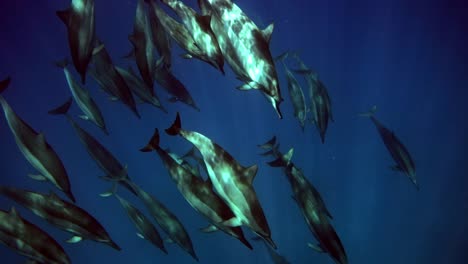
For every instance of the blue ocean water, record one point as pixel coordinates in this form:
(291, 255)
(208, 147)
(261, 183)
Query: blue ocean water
(407, 57)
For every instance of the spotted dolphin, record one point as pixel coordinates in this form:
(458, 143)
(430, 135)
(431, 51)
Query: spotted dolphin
(29, 240)
(146, 229)
(245, 48)
(140, 89)
(200, 29)
(109, 79)
(143, 48)
(198, 193)
(166, 79)
(296, 94)
(36, 149)
(83, 99)
(62, 214)
(232, 182)
(398, 151)
(313, 209)
(79, 19)
(103, 157)
(160, 37)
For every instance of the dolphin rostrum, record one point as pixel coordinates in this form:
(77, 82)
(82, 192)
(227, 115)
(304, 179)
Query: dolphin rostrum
(35, 148)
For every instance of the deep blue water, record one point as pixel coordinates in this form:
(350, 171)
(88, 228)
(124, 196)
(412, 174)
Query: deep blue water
(407, 58)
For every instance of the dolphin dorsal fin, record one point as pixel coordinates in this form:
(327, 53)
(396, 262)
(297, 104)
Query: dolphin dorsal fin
(41, 140)
(268, 31)
(64, 15)
(205, 21)
(250, 173)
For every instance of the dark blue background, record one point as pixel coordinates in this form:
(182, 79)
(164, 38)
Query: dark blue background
(409, 59)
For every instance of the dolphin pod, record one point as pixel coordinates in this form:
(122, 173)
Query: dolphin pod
(219, 33)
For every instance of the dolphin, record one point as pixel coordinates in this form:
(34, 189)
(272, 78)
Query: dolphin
(146, 230)
(105, 74)
(245, 48)
(197, 158)
(83, 99)
(62, 214)
(398, 151)
(296, 94)
(29, 240)
(198, 193)
(139, 88)
(142, 41)
(319, 98)
(103, 157)
(200, 29)
(160, 37)
(36, 149)
(79, 20)
(168, 222)
(232, 182)
(275, 257)
(173, 86)
(313, 209)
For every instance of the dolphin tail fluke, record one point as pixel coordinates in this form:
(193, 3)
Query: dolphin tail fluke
(153, 143)
(369, 113)
(62, 109)
(269, 144)
(4, 84)
(282, 161)
(176, 126)
(62, 64)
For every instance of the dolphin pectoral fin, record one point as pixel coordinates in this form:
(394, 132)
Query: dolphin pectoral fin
(233, 222)
(250, 173)
(317, 248)
(110, 192)
(37, 177)
(247, 86)
(267, 32)
(169, 240)
(209, 229)
(186, 56)
(130, 55)
(97, 49)
(140, 236)
(74, 239)
(84, 117)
